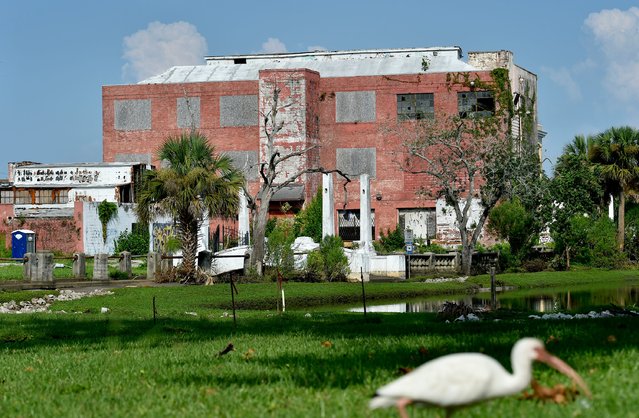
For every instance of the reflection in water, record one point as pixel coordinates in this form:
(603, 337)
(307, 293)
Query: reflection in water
(545, 301)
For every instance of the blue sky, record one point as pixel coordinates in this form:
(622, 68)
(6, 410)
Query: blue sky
(55, 56)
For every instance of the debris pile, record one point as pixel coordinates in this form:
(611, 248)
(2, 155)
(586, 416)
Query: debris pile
(43, 304)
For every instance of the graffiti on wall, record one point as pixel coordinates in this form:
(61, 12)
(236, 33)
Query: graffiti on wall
(82, 176)
(162, 233)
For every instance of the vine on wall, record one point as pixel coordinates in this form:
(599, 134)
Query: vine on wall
(106, 212)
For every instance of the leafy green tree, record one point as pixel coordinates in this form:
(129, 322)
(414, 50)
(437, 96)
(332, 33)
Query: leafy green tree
(511, 221)
(575, 190)
(470, 156)
(196, 183)
(615, 153)
(308, 222)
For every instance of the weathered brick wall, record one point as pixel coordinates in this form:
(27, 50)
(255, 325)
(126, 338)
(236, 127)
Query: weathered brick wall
(53, 234)
(318, 102)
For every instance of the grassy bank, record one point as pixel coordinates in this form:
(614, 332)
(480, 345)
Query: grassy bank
(326, 364)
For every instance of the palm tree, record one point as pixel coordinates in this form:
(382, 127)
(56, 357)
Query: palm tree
(197, 183)
(579, 147)
(615, 154)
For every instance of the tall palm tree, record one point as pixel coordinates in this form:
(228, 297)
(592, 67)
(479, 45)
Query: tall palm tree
(197, 183)
(579, 147)
(615, 153)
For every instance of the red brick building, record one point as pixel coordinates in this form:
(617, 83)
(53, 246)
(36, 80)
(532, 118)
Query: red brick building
(340, 101)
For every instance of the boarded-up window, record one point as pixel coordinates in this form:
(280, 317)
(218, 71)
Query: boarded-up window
(238, 110)
(356, 161)
(415, 106)
(475, 104)
(246, 162)
(355, 106)
(132, 115)
(188, 112)
(422, 221)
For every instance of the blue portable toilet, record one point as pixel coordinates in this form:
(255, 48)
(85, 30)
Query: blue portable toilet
(22, 241)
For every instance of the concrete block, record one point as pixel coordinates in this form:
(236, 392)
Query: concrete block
(246, 162)
(238, 110)
(125, 263)
(355, 106)
(101, 267)
(79, 265)
(188, 112)
(357, 161)
(132, 115)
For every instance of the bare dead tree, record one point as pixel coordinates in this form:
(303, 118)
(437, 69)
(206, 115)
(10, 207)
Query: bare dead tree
(272, 176)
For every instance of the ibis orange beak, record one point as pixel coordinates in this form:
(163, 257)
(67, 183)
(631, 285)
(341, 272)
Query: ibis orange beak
(559, 365)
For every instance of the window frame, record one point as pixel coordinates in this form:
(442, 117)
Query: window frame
(476, 104)
(419, 112)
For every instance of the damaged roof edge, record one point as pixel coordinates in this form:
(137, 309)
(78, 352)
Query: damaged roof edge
(332, 53)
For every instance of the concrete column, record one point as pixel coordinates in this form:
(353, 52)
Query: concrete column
(365, 221)
(101, 267)
(328, 206)
(366, 250)
(244, 226)
(153, 262)
(44, 267)
(125, 263)
(30, 266)
(79, 266)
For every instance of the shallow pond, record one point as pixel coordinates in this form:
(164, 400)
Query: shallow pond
(538, 300)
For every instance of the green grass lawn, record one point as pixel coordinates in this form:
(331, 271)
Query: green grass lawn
(328, 364)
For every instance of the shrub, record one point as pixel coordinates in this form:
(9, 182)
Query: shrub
(392, 241)
(135, 242)
(534, 265)
(278, 247)
(432, 248)
(329, 262)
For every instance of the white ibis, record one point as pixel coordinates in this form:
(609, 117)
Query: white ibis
(462, 379)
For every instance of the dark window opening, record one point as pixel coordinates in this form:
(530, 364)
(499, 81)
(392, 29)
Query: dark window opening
(348, 224)
(415, 106)
(239, 61)
(126, 195)
(475, 104)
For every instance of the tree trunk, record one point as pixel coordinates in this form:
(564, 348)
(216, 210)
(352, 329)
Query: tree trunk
(259, 231)
(466, 256)
(189, 232)
(621, 221)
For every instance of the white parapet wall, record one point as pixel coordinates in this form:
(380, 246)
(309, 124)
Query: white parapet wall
(391, 265)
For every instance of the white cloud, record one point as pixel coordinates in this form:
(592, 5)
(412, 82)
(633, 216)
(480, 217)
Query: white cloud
(160, 46)
(617, 33)
(273, 46)
(564, 78)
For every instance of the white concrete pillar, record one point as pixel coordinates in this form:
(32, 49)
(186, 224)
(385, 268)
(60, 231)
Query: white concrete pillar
(244, 225)
(328, 206)
(365, 221)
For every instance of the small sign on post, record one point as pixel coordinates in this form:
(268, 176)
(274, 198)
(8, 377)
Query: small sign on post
(408, 241)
